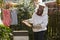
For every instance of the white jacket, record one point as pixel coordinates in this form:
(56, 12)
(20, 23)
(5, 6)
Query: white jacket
(43, 20)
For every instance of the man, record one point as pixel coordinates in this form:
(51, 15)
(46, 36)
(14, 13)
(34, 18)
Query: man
(39, 20)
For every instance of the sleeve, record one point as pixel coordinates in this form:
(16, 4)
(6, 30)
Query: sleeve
(45, 12)
(45, 18)
(36, 9)
(45, 22)
(30, 20)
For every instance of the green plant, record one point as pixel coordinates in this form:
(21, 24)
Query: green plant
(54, 24)
(1, 1)
(24, 12)
(4, 32)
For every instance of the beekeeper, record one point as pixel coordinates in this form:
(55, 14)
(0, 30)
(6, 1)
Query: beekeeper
(39, 20)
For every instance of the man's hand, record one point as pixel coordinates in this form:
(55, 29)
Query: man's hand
(27, 23)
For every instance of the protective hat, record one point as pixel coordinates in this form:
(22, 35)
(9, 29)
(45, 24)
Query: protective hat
(42, 4)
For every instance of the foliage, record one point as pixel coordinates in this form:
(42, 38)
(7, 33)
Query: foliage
(58, 1)
(54, 25)
(25, 11)
(4, 32)
(1, 1)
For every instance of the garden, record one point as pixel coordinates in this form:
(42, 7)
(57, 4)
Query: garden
(25, 11)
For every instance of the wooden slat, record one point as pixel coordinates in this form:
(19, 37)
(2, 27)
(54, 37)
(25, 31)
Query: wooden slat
(20, 33)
